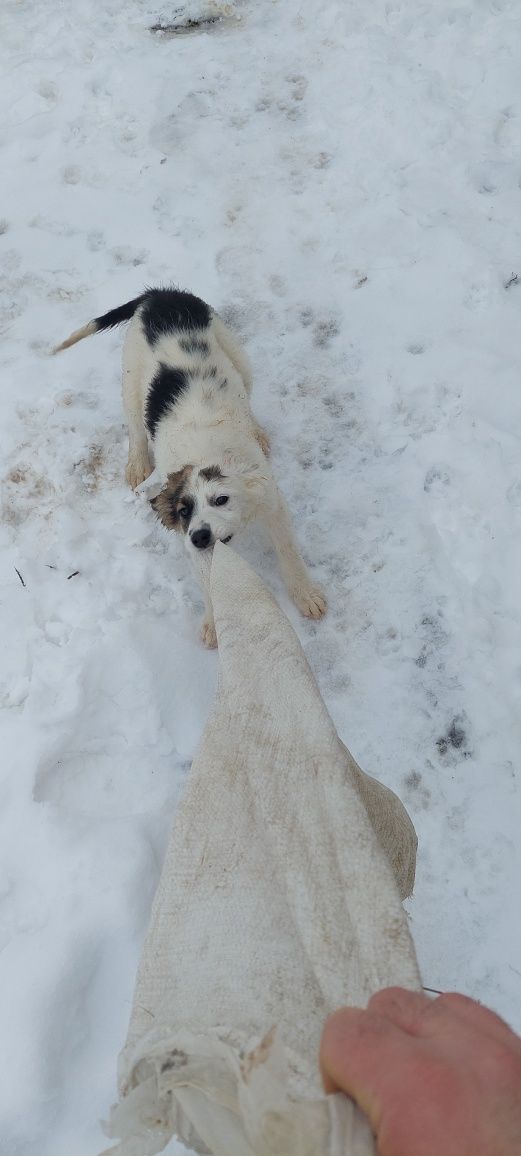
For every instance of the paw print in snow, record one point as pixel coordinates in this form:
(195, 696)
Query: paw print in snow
(324, 331)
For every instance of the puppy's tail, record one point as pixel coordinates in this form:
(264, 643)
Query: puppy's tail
(107, 321)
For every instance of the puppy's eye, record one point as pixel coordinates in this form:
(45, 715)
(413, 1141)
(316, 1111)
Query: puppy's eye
(221, 500)
(184, 512)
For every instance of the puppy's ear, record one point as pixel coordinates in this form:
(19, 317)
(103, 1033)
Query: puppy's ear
(166, 504)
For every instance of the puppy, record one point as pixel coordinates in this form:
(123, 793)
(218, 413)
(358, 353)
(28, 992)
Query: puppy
(186, 394)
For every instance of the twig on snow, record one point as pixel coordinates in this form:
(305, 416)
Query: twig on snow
(185, 26)
(20, 577)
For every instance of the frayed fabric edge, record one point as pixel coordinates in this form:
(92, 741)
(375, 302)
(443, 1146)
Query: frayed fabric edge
(228, 1101)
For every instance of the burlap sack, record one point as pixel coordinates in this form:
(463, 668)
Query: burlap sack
(277, 903)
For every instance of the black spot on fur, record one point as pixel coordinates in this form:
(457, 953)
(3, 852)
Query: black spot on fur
(223, 383)
(165, 389)
(211, 473)
(194, 345)
(170, 310)
(211, 371)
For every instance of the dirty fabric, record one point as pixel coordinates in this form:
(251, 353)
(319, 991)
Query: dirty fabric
(279, 901)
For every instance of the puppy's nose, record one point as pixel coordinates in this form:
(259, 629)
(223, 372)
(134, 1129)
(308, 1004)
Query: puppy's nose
(201, 538)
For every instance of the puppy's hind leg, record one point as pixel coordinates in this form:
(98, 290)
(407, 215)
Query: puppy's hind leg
(138, 466)
(308, 598)
(239, 359)
(230, 346)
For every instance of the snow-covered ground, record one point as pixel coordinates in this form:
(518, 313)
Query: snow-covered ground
(342, 180)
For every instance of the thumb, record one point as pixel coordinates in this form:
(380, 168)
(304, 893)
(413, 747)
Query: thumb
(359, 1055)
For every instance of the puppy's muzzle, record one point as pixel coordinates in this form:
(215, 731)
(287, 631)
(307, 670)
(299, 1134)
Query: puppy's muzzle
(201, 538)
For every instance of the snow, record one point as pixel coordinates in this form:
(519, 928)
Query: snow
(342, 181)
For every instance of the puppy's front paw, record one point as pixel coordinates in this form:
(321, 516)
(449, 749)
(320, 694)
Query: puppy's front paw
(208, 635)
(311, 603)
(137, 471)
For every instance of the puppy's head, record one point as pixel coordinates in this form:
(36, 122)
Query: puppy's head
(212, 503)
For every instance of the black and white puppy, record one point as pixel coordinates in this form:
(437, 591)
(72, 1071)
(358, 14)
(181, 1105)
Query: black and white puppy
(186, 393)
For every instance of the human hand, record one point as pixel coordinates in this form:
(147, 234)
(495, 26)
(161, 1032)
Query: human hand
(435, 1077)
